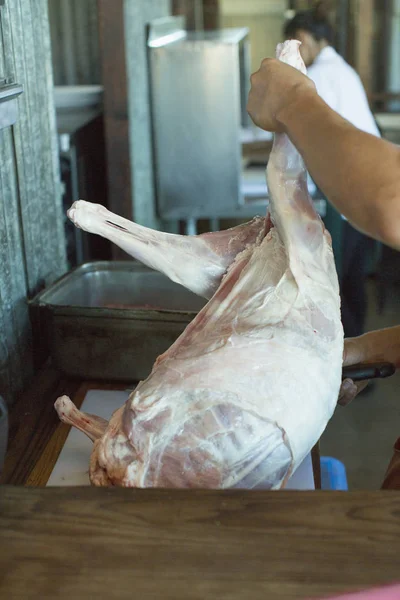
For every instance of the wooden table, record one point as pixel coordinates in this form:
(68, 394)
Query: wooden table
(153, 544)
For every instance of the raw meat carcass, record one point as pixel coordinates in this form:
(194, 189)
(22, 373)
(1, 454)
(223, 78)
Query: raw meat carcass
(245, 392)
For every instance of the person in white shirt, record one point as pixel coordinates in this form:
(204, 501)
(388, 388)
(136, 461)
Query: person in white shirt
(341, 88)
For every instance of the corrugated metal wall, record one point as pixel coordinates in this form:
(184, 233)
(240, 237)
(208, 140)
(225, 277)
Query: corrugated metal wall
(75, 41)
(32, 245)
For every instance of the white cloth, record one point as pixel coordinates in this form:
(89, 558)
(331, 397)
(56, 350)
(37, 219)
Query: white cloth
(341, 88)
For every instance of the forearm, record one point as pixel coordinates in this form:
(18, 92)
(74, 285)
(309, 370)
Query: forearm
(359, 173)
(382, 345)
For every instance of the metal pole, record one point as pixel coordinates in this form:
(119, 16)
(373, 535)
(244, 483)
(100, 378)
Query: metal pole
(191, 226)
(214, 224)
(79, 242)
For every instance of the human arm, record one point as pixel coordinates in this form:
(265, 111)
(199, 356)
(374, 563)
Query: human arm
(359, 173)
(382, 345)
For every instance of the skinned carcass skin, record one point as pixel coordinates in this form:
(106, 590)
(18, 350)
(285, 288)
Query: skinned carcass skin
(245, 392)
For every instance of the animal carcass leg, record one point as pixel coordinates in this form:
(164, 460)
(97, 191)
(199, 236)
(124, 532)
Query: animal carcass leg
(93, 426)
(196, 262)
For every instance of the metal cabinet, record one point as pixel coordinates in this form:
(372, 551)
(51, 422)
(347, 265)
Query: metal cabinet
(199, 88)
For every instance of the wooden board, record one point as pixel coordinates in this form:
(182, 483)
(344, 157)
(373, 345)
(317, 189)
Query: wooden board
(122, 27)
(152, 544)
(32, 423)
(36, 435)
(114, 78)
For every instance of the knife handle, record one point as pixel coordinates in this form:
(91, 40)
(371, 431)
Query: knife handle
(368, 371)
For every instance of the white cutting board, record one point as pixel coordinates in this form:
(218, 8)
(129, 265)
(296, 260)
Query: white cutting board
(72, 465)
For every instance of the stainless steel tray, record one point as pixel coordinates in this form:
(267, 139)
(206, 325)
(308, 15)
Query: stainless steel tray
(110, 320)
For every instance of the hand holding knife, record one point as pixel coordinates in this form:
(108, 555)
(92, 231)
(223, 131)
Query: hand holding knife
(365, 371)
